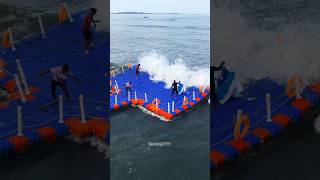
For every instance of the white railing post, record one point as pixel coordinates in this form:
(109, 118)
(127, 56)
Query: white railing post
(145, 97)
(168, 107)
(43, 33)
(61, 109)
(298, 88)
(157, 105)
(116, 99)
(20, 121)
(128, 95)
(23, 78)
(172, 106)
(68, 12)
(135, 95)
(268, 101)
(83, 117)
(23, 98)
(13, 47)
(122, 69)
(193, 95)
(239, 114)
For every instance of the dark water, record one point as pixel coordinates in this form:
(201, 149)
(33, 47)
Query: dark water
(294, 156)
(62, 161)
(187, 158)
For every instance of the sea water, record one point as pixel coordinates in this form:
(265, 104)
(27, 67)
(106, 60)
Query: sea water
(169, 47)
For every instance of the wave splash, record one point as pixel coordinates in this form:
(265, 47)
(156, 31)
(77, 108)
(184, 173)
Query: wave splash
(161, 69)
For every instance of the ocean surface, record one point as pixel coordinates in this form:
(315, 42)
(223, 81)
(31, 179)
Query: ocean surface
(170, 46)
(66, 159)
(272, 39)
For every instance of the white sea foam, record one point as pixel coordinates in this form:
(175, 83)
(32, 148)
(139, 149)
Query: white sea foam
(161, 69)
(255, 54)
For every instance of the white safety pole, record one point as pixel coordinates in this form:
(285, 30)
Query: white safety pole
(68, 12)
(239, 114)
(168, 107)
(122, 69)
(135, 95)
(298, 88)
(61, 109)
(172, 106)
(157, 105)
(145, 97)
(13, 47)
(23, 98)
(20, 122)
(268, 101)
(193, 95)
(43, 33)
(116, 99)
(128, 95)
(83, 117)
(23, 78)
(184, 98)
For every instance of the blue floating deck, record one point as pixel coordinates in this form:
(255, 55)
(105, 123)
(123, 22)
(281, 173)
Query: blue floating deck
(285, 110)
(144, 86)
(63, 45)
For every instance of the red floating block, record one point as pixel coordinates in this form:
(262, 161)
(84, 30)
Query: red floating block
(10, 86)
(191, 103)
(116, 107)
(99, 127)
(185, 108)
(165, 114)
(134, 102)
(20, 143)
(141, 101)
(301, 104)
(125, 103)
(281, 119)
(48, 134)
(204, 94)
(77, 128)
(217, 157)
(14, 95)
(240, 144)
(262, 133)
(177, 111)
(197, 99)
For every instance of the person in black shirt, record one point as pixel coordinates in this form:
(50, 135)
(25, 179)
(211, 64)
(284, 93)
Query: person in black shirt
(216, 69)
(174, 87)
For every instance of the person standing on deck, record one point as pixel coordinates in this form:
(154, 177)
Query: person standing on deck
(174, 87)
(86, 29)
(58, 77)
(128, 87)
(138, 70)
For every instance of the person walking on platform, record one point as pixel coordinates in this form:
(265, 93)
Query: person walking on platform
(128, 87)
(174, 87)
(138, 70)
(86, 29)
(58, 77)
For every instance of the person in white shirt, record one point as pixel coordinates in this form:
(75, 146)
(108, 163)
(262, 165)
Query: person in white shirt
(58, 77)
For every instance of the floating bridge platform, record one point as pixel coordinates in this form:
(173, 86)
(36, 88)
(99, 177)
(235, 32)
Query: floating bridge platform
(42, 120)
